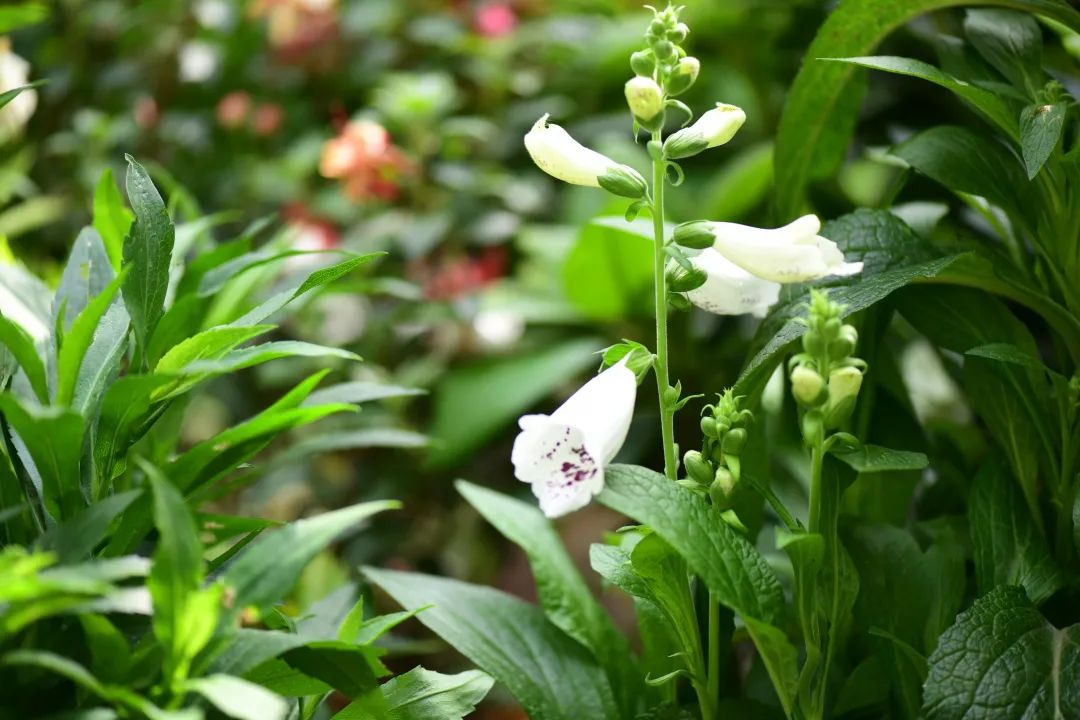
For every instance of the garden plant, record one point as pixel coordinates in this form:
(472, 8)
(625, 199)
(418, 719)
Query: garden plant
(825, 463)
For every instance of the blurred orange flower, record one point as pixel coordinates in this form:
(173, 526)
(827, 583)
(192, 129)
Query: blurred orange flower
(233, 109)
(365, 161)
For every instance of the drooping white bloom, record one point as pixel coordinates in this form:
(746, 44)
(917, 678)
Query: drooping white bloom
(14, 72)
(563, 157)
(563, 455)
(714, 127)
(730, 290)
(793, 253)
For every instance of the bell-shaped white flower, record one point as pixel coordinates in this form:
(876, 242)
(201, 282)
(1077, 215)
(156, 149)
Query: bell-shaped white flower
(563, 157)
(715, 127)
(730, 290)
(14, 72)
(563, 455)
(793, 253)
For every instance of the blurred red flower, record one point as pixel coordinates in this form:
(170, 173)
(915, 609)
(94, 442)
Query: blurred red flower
(365, 161)
(494, 19)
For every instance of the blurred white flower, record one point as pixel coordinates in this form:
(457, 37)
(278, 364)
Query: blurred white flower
(198, 61)
(498, 329)
(564, 158)
(790, 254)
(563, 455)
(14, 72)
(730, 290)
(214, 14)
(934, 394)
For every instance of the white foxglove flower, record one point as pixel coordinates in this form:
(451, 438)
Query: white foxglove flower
(715, 127)
(730, 290)
(793, 253)
(563, 455)
(563, 157)
(14, 72)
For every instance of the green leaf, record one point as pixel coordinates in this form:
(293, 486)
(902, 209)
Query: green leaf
(1008, 353)
(1040, 131)
(873, 458)
(112, 219)
(54, 438)
(248, 648)
(819, 115)
(729, 565)
(212, 344)
(101, 363)
(26, 301)
(608, 273)
(74, 539)
(20, 15)
(1007, 548)
(509, 386)
(239, 698)
(360, 391)
(1003, 660)
(986, 102)
(21, 346)
(781, 660)
(78, 339)
(510, 640)
(110, 655)
(425, 695)
(263, 353)
(125, 403)
(217, 277)
(563, 594)
(148, 252)
(87, 274)
(1011, 42)
(184, 618)
(270, 566)
(348, 668)
(967, 161)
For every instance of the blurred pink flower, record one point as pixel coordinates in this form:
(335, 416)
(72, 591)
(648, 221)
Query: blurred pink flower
(494, 19)
(233, 109)
(146, 112)
(267, 119)
(366, 162)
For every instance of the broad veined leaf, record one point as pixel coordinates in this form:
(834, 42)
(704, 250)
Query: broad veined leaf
(54, 439)
(1040, 131)
(148, 252)
(248, 648)
(101, 363)
(1010, 41)
(729, 565)
(822, 103)
(112, 219)
(268, 568)
(86, 275)
(351, 669)
(239, 698)
(425, 695)
(781, 660)
(1007, 547)
(986, 102)
(510, 640)
(78, 339)
(564, 596)
(874, 458)
(22, 348)
(1003, 660)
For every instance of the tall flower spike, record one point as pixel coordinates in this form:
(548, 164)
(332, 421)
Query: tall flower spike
(563, 455)
(564, 158)
(793, 253)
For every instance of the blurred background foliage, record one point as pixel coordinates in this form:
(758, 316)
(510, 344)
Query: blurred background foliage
(396, 125)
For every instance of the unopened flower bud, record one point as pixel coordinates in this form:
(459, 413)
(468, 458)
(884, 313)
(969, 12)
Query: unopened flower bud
(681, 279)
(844, 386)
(812, 342)
(708, 427)
(697, 467)
(722, 488)
(697, 234)
(678, 33)
(733, 442)
(686, 72)
(808, 387)
(642, 63)
(844, 345)
(657, 27)
(715, 127)
(664, 50)
(644, 97)
(831, 328)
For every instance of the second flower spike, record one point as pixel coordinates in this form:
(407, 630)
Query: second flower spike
(563, 455)
(563, 157)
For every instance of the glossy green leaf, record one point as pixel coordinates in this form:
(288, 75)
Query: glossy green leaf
(1003, 660)
(822, 103)
(54, 438)
(86, 275)
(425, 695)
(263, 353)
(78, 339)
(1010, 41)
(22, 14)
(75, 539)
(112, 219)
(22, 348)
(268, 568)
(874, 458)
(510, 640)
(239, 698)
(781, 660)
(101, 363)
(148, 252)
(608, 272)
(1040, 130)
(729, 565)
(360, 391)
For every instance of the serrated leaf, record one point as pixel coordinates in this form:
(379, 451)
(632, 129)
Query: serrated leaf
(268, 568)
(1003, 660)
(510, 640)
(729, 565)
(1040, 130)
(148, 251)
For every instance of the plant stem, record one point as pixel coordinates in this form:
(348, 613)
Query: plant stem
(660, 285)
(817, 456)
(714, 648)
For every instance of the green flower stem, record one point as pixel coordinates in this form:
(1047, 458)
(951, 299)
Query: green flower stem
(714, 648)
(817, 457)
(667, 412)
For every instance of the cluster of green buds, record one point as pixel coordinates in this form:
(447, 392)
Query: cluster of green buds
(825, 377)
(661, 71)
(716, 467)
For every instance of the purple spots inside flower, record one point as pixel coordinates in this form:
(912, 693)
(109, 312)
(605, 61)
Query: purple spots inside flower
(571, 473)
